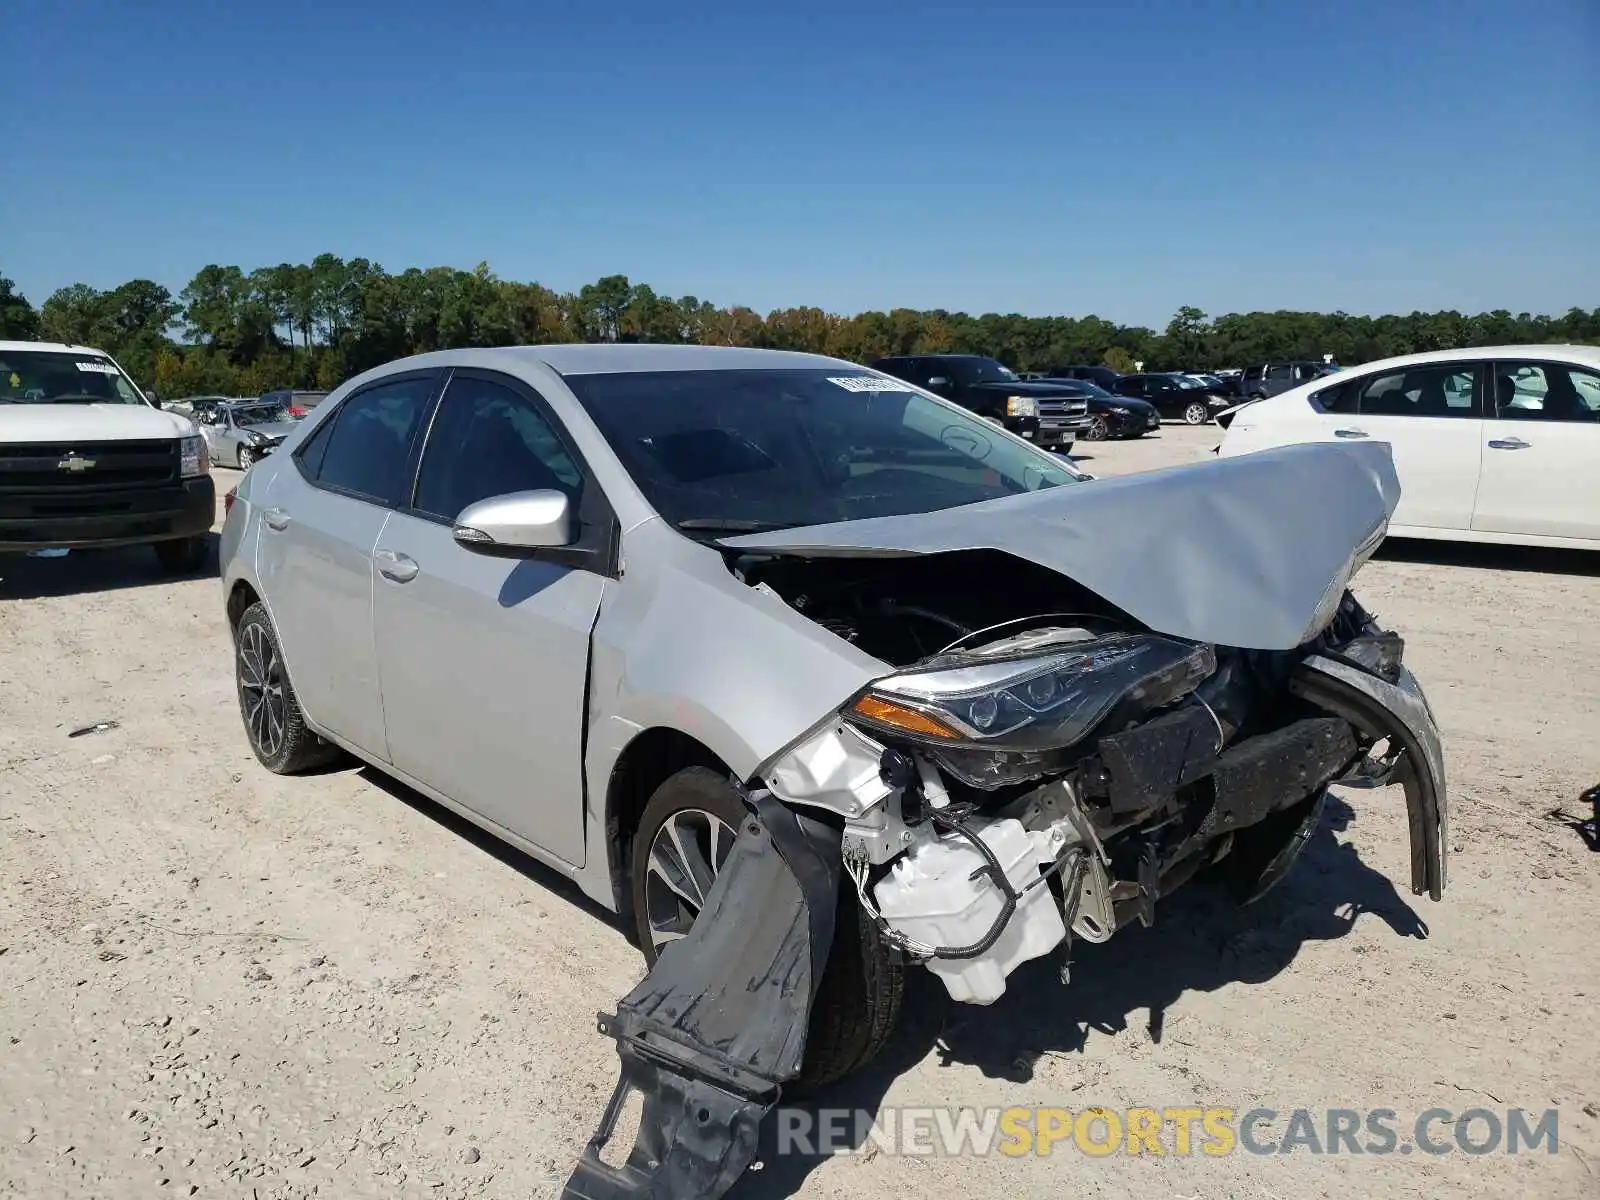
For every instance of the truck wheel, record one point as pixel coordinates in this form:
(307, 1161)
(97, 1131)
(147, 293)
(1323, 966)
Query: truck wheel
(684, 836)
(273, 722)
(184, 555)
(1195, 413)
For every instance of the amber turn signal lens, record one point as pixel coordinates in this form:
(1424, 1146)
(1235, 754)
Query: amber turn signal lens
(886, 712)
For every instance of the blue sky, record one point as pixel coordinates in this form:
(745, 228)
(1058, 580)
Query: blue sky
(1121, 157)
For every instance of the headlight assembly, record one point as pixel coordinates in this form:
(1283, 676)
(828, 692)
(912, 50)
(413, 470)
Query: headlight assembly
(1021, 406)
(1034, 703)
(193, 457)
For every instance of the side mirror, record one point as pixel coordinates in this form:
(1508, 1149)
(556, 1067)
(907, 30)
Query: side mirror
(520, 521)
(937, 382)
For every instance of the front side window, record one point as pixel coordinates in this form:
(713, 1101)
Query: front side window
(1449, 390)
(365, 446)
(730, 451)
(489, 441)
(56, 377)
(1546, 392)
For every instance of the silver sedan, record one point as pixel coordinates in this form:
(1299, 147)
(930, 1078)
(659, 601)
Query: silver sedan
(240, 433)
(810, 675)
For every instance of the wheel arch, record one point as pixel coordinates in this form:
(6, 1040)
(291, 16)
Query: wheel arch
(649, 759)
(240, 597)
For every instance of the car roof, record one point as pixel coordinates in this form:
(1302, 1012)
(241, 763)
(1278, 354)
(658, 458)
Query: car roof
(1585, 355)
(51, 347)
(606, 359)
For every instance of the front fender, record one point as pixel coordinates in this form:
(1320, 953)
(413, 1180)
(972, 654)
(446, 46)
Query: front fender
(682, 644)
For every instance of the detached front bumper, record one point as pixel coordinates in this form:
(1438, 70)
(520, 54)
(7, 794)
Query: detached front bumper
(108, 517)
(1399, 712)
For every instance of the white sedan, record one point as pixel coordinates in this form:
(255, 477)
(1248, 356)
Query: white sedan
(1492, 443)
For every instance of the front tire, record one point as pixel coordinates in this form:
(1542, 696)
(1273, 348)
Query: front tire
(247, 458)
(184, 555)
(273, 722)
(1098, 430)
(684, 837)
(1195, 413)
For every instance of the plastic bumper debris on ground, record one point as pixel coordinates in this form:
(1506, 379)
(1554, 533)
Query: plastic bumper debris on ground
(718, 1026)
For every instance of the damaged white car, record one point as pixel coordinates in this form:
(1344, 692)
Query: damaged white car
(814, 677)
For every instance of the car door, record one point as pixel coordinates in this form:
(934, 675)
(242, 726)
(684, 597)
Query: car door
(1540, 450)
(1431, 416)
(484, 660)
(321, 514)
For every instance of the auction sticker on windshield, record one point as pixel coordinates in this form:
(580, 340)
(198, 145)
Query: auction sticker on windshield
(868, 383)
(99, 368)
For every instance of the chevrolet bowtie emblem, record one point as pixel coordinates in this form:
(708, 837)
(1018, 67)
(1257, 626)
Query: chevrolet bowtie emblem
(75, 462)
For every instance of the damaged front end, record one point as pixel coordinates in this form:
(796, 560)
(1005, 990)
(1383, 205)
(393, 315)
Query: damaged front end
(1003, 799)
(997, 801)
(1063, 735)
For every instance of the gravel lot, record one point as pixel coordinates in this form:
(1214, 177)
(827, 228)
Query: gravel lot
(220, 983)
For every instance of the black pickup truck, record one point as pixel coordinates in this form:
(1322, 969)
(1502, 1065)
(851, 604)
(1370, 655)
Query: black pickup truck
(1046, 414)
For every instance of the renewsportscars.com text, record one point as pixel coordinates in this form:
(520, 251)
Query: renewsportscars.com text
(1215, 1131)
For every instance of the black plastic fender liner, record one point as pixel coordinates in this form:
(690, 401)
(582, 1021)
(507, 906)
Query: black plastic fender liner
(1398, 711)
(713, 1032)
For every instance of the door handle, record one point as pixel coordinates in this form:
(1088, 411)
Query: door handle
(1510, 443)
(1350, 433)
(276, 518)
(401, 568)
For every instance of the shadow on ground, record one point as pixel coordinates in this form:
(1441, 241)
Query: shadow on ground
(85, 571)
(1537, 559)
(1201, 941)
(524, 864)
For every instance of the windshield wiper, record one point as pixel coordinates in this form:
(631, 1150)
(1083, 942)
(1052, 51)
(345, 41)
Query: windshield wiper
(78, 398)
(731, 525)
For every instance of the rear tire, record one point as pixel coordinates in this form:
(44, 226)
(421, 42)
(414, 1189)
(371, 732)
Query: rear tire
(858, 998)
(183, 556)
(274, 725)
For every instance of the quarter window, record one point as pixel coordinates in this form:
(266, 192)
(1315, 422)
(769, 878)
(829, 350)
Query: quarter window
(489, 441)
(1546, 392)
(366, 446)
(1442, 391)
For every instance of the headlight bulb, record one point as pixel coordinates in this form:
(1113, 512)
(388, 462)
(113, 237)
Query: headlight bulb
(983, 712)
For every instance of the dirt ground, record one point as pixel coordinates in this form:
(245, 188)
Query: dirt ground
(215, 982)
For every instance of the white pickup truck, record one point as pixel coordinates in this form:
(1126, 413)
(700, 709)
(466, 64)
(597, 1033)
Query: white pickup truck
(87, 461)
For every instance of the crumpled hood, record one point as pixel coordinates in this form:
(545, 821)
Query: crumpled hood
(277, 430)
(88, 423)
(1236, 552)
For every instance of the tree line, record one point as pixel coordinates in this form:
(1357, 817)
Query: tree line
(311, 325)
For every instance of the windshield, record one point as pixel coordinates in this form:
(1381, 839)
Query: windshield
(737, 451)
(63, 377)
(258, 414)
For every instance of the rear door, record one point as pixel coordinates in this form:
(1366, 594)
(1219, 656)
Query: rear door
(322, 513)
(1432, 416)
(1541, 452)
(485, 660)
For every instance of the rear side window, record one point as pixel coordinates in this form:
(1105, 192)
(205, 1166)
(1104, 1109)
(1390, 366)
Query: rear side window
(1279, 371)
(1340, 398)
(1449, 390)
(365, 448)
